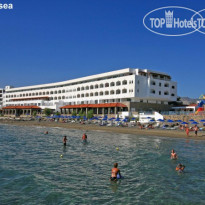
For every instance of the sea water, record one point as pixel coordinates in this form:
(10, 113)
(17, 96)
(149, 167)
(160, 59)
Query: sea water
(32, 170)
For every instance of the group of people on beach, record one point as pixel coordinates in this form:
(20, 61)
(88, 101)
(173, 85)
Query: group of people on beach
(195, 129)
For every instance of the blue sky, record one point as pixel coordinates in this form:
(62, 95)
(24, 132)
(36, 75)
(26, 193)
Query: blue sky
(51, 41)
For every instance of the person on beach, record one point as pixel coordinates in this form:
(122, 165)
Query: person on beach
(180, 167)
(115, 172)
(84, 137)
(196, 130)
(187, 131)
(64, 140)
(173, 155)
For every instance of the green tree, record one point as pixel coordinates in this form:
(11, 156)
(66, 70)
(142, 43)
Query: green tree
(34, 113)
(58, 113)
(47, 111)
(90, 114)
(74, 113)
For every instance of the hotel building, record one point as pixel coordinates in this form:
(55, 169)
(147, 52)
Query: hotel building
(127, 89)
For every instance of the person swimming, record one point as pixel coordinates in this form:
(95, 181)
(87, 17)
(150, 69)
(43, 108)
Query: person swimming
(84, 137)
(173, 155)
(115, 172)
(64, 140)
(180, 167)
(46, 133)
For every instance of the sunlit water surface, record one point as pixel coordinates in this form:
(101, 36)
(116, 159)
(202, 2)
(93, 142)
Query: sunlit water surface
(32, 171)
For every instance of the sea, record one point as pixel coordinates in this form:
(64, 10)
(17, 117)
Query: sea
(35, 168)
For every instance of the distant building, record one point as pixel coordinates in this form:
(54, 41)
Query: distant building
(1, 97)
(130, 90)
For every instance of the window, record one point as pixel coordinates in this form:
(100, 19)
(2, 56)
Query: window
(173, 87)
(106, 92)
(87, 88)
(159, 92)
(160, 84)
(101, 85)
(124, 90)
(82, 88)
(96, 86)
(101, 93)
(63, 91)
(118, 83)
(112, 84)
(172, 94)
(112, 92)
(91, 94)
(78, 89)
(152, 91)
(82, 95)
(124, 82)
(106, 85)
(153, 83)
(118, 91)
(87, 95)
(96, 93)
(166, 85)
(166, 93)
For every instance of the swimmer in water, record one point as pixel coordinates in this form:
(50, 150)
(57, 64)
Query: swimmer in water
(64, 140)
(115, 172)
(46, 132)
(84, 137)
(173, 155)
(180, 167)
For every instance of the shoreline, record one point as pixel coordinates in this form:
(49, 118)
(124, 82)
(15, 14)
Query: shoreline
(121, 130)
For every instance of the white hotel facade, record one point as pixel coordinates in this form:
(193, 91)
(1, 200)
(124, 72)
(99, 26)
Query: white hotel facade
(138, 89)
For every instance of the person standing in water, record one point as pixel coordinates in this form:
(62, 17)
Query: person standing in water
(196, 129)
(173, 155)
(115, 172)
(84, 137)
(64, 140)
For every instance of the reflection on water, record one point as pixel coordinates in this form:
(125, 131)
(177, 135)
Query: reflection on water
(37, 169)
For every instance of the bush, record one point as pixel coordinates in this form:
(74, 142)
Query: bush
(90, 114)
(74, 113)
(47, 111)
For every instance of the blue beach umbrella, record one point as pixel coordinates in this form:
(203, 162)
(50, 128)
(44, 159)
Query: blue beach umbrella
(117, 120)
(125, 120)
(152, 120)
(148, 117)
(202, 120)
(184, 123)
(191, 120)
(170, 121)
(134, 118)
(194, 123)
(179, 121)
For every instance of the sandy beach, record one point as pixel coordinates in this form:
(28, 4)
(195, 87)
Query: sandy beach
(124, 130)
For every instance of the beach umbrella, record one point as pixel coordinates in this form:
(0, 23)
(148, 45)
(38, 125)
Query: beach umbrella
(191, 120)
(117, 120)
(202, 120)
(134, 118)
(125, 120)
(179, 121)
(148, 117)
(184, 123)
(194, 123)
(170, 121)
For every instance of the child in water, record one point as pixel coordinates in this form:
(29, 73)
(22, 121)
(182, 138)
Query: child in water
(64, 140)
(115, 172)
(180, 167)
(84, 137)
(173, 155)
